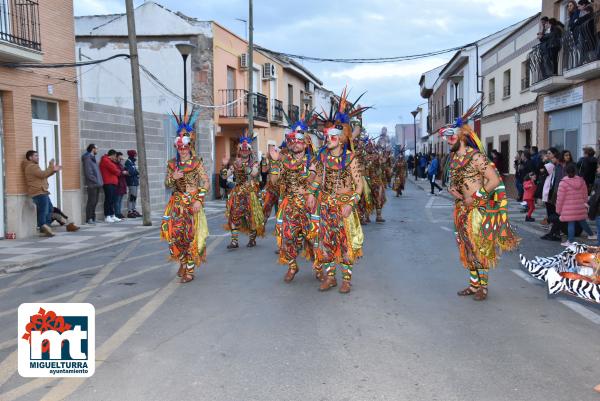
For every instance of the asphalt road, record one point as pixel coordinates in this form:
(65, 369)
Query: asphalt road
(237, 332)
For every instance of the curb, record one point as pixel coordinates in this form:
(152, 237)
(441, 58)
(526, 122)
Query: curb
(35, 264)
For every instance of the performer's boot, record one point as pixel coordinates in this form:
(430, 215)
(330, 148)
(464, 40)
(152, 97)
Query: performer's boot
(329, 280)
(252, 241)
(292, 270)
(473, 284)
(234, 244)
(482, 292)
(318, 269)
(188, 273)
(379, 218)
(347, 275)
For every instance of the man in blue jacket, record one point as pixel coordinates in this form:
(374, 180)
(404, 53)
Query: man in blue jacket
(133, 183)
(432, 173)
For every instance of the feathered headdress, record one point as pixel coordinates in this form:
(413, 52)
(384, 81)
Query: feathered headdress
(338, 121)
(184, 126)
(299, 130)
(245, 141)
(460, 127)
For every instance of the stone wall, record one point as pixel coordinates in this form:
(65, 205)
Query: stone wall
(112, 127)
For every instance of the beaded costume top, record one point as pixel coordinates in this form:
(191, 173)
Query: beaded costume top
(193, 174)
(294, 174)
(334, 173)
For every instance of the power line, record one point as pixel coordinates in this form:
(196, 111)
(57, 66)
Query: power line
(63, 65)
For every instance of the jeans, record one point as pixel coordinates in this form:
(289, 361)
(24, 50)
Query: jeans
(44, 209)
(92, 201)
(520, 189)
(133, 192)
(110, 193)
(118, 204)
(433, 183)
(571, 229)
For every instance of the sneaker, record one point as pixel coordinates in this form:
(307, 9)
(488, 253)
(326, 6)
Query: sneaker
(46, 231)
(91, 222)
(592, 237)
(116, 219)
(566, 243)
(109, 219)
(131, 215)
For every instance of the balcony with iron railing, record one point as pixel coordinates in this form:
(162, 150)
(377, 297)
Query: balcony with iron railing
(20, 31)
(581, 48)
(453, 111)
(293, 112)
(237, 104)
(546, 68)
(276, 111)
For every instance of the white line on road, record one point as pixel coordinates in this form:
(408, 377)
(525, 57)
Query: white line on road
(525, 276)
(581, 310)
(447, 229)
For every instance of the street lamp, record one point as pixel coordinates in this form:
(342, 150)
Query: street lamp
(414, 114)
(456, 80)
(185, 49)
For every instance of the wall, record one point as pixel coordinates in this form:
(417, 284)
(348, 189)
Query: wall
(17, 89)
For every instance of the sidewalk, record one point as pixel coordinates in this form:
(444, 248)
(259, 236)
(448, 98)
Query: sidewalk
(22, 254)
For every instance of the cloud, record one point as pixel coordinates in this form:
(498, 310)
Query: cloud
(507, 8)
(98, 7)
(371, 72)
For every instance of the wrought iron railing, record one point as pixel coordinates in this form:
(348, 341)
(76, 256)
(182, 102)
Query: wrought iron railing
(492, 97)
(525, 83)
(276, 110)
(293, 112)
(581, 42)
(240, 108)
(452, 112)
(20, 23)
(506, 91)
(544, 62)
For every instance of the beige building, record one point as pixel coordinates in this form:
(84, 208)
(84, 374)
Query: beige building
(510, 117)
(569, 86)
(38, 108)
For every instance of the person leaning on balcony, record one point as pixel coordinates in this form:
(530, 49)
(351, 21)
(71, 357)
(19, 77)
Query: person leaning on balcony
(555, 43)
(36, 180)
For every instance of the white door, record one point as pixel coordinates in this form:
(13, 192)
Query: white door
(44, 142)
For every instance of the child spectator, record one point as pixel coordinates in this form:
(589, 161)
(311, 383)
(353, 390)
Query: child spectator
(529, 194)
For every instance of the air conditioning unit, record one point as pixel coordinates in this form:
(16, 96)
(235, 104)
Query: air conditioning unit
(244, 61)
(269, 71)
(309, 87)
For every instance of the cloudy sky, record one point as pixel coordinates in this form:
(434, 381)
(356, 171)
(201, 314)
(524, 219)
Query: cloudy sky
(357, 28)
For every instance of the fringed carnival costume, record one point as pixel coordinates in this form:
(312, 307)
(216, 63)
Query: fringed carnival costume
(336, 190)
(365, 205)
(376, 177)
(184, 224)
(269, 195)
(575, 271)
(481, 208)
(292, 172)
(244, 212)
(400, 172)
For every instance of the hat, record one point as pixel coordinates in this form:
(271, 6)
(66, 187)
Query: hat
(131, 153)
(185, 129)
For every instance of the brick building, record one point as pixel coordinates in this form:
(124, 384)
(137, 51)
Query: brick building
(39, 108)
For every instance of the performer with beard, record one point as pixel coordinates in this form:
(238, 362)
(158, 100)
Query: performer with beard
(376, 178)
(365, 205)
(184, 224)
(480, 213)
(244, 212)
(336, 190)
(293, 172)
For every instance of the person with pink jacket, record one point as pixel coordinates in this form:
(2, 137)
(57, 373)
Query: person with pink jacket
(571, 203)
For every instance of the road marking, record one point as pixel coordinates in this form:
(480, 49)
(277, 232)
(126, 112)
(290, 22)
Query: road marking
(447, 229)
(525, 276)
(581, 310)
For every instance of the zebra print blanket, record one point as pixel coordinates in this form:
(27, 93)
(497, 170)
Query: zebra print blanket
(548, 268)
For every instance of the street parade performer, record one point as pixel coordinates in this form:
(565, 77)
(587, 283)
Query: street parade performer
(270, 192)
(335, 192)
(365, 204)
(376, 177)
(244, 212)
(293, 171)
(184, 224)
(400, 172)
(480, 213)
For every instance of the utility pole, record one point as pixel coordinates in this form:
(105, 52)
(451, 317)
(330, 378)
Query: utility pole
(137, 113)
(250, 69)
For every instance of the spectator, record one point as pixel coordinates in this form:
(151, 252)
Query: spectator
(542, 175)
(594, 204)
(536, 158)
(36, 180)
(529, 195)
(410, 162)
(264, 171)
(584, 32)
(571, 203)
(121, 187)
(110, 176)
(133, 184)
(554, 44)
(497, 160)
(93, 181)
(422, 166)
(548, 196)
(432, 173)
(587, 166)
(519, 166)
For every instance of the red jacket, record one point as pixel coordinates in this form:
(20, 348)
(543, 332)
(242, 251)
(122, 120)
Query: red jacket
(571, 199)
(530, 189)
(110, 171)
